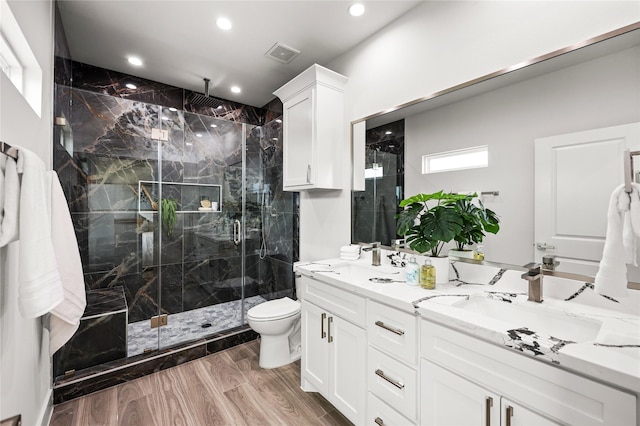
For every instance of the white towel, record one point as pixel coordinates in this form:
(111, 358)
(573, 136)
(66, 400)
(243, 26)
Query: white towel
(611, 278)
(39, 284)
(631, 226)
(65, 318)
(9, 200)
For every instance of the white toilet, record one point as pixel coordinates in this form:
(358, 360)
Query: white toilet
(278, 323)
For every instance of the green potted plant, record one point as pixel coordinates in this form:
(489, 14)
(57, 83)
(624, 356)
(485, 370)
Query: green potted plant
(427, 222)
(476, 220)
(169, 207)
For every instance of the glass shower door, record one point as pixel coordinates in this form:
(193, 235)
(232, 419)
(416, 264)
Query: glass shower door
(203, 259)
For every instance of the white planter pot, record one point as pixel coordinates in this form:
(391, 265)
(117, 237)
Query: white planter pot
(442, 269)
(468, 254)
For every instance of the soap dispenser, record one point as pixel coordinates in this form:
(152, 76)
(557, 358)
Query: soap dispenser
(413, 272)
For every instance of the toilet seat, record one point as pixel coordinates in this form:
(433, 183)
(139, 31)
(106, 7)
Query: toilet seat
(274, 310)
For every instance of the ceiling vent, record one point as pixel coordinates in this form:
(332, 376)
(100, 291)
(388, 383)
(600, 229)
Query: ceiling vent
(282, 53)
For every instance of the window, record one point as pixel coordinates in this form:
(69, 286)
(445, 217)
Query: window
(17, 60)
(460, 159)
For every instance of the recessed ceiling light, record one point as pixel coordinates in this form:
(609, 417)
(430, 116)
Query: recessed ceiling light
(172, 109)
(356, 9)
(133, 60)
(131, 86)
(214, 125)
(278, 121)
(235, 89)
(188, 143)
(388, 132)
(199, 135)
(224, 23)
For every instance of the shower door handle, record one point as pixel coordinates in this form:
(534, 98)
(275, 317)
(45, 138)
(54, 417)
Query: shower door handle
(237, 228)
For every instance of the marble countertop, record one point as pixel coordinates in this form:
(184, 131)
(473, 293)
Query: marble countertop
(579, 330)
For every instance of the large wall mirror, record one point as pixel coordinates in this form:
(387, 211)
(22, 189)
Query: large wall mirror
(543, 117)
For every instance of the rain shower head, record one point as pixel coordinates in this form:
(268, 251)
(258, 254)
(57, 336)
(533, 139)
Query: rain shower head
(204, 100)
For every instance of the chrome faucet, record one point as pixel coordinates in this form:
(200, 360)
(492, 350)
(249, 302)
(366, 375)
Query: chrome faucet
(534, 276)
(374, 248)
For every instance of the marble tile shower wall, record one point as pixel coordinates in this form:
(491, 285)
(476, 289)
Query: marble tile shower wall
(105, 149)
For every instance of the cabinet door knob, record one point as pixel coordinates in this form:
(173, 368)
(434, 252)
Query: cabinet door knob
(379, 421)
(391, 329)
(395, 383)
(322, 333)
(329, 322)
(308, 173)
(488, 405)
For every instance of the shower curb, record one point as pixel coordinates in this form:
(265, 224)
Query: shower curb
(104, 376)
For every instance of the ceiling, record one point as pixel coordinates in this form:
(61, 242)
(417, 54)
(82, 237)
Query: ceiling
(180, 44)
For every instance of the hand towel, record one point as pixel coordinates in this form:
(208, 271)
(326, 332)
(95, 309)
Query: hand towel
(9, 200)
(39, 284)
(65, 318)
(630, 205)
(611, 278)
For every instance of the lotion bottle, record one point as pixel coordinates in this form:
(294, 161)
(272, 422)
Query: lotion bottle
(428, 275)
(413, 272)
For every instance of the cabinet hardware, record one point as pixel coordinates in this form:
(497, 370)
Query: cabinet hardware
(391, 329)
(395, 383)
(544, 246)
(509, 412)
(489, 404)
(329, 322)
(322, 332)
(379, 421)
(308, 173)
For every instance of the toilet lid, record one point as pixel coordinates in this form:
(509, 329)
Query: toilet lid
(274, 309)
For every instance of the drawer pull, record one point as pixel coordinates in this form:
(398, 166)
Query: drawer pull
(379, 421)
(509, 414)
(395, 383)
(322, 332)
(329, 322)
(391, 329)
(489, 404)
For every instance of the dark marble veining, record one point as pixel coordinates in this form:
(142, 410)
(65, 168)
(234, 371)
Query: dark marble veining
(106, 317)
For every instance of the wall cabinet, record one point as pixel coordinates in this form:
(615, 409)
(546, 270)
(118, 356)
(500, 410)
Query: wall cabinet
(313, 134)
(464, 380)
(333, 349)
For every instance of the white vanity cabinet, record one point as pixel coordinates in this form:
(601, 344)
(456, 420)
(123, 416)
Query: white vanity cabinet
(312, 130)
(334, 346)
(464, 380)
(392, 373)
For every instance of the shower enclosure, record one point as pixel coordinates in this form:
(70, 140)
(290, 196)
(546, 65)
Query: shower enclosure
(374, 209)
(179, 218)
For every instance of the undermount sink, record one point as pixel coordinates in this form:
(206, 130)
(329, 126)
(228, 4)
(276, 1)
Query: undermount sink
(365, 272)
(542, 319)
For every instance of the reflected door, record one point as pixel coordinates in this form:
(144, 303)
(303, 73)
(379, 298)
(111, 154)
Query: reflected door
(574, 177)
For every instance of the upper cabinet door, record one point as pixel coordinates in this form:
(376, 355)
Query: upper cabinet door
(315, 149)
(298, 136)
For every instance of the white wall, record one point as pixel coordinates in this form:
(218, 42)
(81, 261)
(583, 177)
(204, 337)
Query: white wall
(435, 46)
(25, 365)
(598, 93)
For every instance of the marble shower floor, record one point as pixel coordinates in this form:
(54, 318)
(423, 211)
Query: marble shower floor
(187, 326)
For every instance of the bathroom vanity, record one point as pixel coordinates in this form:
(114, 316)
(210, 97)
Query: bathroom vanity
(473, 351)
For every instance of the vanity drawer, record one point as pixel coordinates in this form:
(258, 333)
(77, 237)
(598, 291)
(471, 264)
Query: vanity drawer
(393, 331)
(342, 303)
(379, 413)
(393, 382)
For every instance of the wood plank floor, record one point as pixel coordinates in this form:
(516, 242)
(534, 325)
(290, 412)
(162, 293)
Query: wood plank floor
(226, 388)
